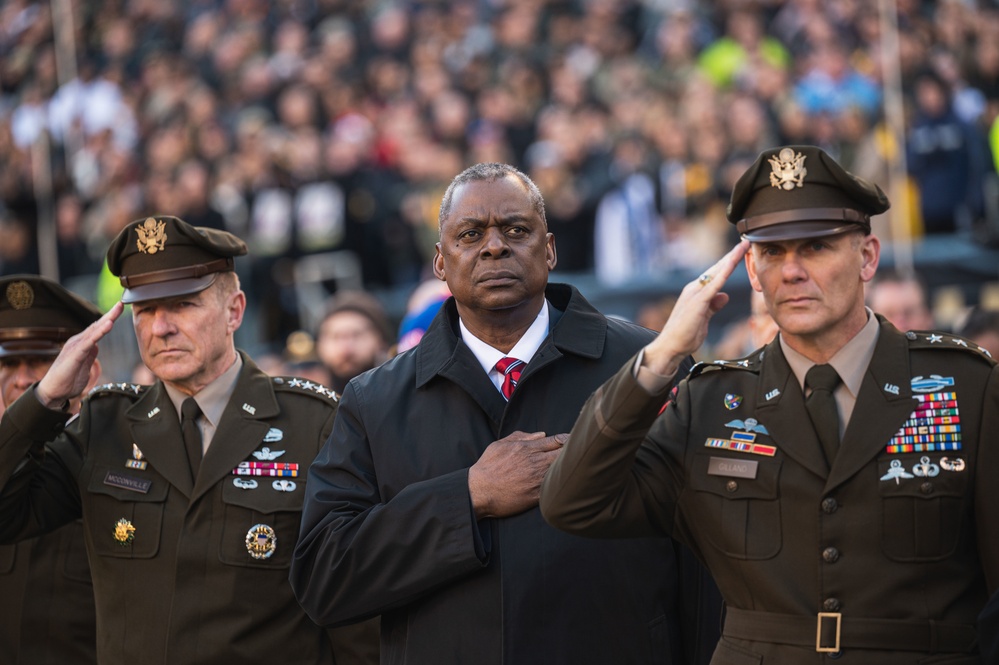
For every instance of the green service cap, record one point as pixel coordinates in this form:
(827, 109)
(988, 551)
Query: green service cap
(38, 315)
(799, 191)
(164, 256)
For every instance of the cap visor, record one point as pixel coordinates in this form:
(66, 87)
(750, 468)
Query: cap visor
(799, 230)
(171, 289)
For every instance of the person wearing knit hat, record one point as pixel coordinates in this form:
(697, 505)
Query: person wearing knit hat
(353, 336)
(191, 487)
(834, 480)
(45, 581)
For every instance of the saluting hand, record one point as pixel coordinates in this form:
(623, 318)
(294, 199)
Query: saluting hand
(70, 372)
(687, 327)
(506, 479)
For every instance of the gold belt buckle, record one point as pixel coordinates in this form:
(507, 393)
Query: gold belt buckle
(838, 616)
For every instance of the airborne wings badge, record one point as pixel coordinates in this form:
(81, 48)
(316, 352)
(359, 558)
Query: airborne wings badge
(788, 170)
(152, 236)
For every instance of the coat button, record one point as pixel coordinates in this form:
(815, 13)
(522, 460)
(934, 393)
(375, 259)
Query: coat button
(926, 488)
(830, 555)
(831, 605)
(829, 505)
(731, 486)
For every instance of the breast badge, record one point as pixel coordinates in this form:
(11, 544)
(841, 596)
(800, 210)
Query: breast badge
(124, 532)
(266, 454)
(896, 471)
(261, 541)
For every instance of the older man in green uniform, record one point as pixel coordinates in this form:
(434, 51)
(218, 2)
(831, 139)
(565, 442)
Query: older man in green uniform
(838, 481)
(45, 583)
(190, 489)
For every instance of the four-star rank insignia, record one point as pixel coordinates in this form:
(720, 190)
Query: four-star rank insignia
(261, 541)
(788, 170)
(124, 532)
(152, 236)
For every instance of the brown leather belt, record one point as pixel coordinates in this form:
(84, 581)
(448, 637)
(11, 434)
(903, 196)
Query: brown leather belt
(831, 631)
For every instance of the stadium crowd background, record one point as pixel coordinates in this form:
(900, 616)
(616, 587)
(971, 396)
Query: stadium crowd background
(328, 129)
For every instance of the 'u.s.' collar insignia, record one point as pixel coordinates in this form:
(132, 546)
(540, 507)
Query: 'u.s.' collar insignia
(749, 424)
(245, 483)
(152, 236)
(261, 541)
(124, 532)
(284, 485)
(891, 388)
(948, 464)
(931, 384)
(249, 409)
(266, 453)
(273, 434)
(20, 295)
(896, 471)
(788, 170)
(732, 401)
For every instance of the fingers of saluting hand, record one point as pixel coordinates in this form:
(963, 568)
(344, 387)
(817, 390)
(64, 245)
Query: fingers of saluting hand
(70, 371)
(687, 326)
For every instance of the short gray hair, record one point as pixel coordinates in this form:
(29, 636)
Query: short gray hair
(490, 171)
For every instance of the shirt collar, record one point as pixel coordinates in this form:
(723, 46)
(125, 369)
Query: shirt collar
(524, 349)
(850, 362)
(213, 398)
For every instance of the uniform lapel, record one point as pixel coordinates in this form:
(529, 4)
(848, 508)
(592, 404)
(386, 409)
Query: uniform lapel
(241, 429)
(883, 405)
(780, 407)
(155, 428)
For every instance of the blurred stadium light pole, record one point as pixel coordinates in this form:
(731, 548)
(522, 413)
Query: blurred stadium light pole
(898, 170)
(41, 150)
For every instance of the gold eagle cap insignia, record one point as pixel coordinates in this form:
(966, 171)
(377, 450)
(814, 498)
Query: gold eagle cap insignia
(20, 295)
(788, 170)
(152, 236)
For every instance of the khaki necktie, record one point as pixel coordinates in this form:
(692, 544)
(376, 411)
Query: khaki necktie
(821, 405)
(189, 412)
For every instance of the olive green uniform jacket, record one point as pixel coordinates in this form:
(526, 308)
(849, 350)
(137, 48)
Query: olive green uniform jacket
(48, 615)
(174, 577)
(899, 549)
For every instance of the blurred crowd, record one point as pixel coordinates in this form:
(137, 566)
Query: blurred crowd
(331, 127)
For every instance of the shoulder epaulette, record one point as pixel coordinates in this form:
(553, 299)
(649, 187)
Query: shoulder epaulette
(750, 363)
(295, 384)
(129, 389)
(928, 339)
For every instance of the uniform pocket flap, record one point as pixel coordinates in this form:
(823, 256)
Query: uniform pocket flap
(128, 486)
(735, 477)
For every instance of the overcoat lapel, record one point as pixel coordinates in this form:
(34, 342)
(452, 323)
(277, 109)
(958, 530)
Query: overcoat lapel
(879, 411)
(155, 428)
(783, 412)
(241, 429)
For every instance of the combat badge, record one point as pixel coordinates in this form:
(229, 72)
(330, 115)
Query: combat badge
(124, 532)
(948, 464)
(273, 434)
(261, 541)
(245, 483)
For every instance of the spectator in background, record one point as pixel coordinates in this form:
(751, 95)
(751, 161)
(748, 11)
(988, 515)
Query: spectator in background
(947, 157)
(902, 299)
(353, 337)
(982, 327)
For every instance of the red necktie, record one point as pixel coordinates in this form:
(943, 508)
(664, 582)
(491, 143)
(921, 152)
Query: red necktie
(511, 369)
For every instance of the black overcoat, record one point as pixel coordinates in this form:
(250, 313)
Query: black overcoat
(388, 526)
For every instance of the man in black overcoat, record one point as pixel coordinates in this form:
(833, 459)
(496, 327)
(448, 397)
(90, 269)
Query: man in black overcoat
(422, 507)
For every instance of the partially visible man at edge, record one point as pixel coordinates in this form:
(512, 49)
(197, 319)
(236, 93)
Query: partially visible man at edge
(48, 598)
(838, 482)
(189, 489)
(422, 506)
